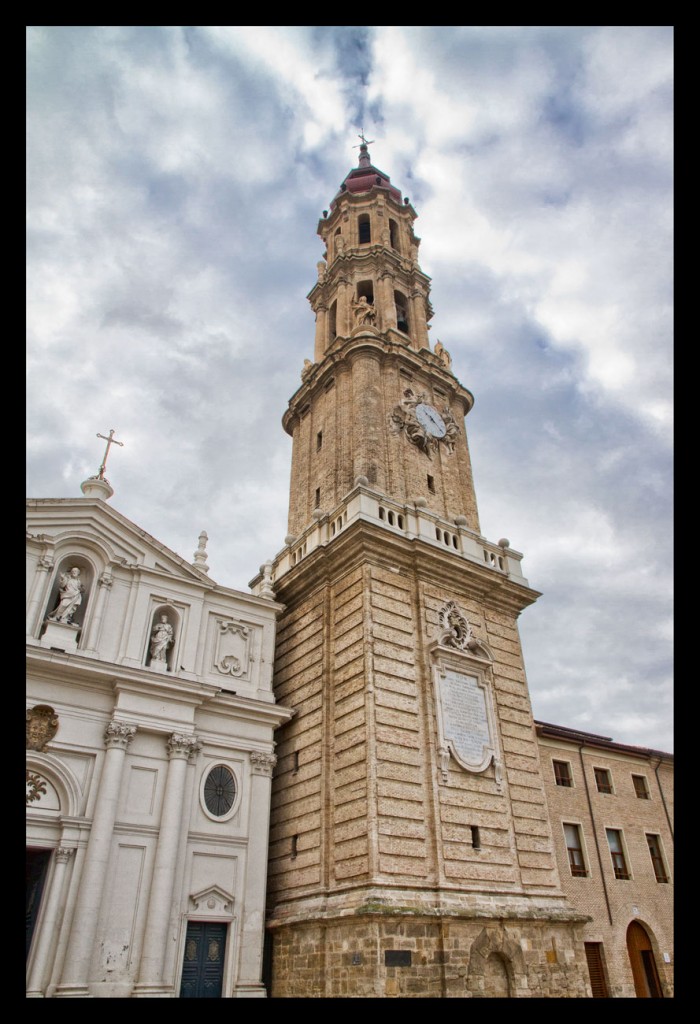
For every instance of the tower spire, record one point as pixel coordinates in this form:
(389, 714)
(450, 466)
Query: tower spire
(364, 160)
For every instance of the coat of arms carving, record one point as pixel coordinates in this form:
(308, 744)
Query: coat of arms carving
(232, 655)
(42, 726)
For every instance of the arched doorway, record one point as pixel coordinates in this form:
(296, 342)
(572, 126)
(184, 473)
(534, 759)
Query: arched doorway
(646, 977)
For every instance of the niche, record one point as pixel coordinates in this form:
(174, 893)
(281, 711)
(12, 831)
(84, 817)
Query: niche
(70, 591)
(161, 640)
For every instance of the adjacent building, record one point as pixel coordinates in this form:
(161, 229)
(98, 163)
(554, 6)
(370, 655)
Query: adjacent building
(611, 812)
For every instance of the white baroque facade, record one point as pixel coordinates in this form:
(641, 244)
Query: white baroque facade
(150, 723)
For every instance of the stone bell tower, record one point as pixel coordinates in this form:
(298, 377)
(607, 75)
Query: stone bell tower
(410, 845)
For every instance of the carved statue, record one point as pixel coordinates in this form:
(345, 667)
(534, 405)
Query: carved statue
(365, 313)
(442, 354)
(161, 639)
(306, 368)
(70, 596)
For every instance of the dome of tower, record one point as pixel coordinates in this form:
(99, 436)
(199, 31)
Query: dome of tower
(366, 177)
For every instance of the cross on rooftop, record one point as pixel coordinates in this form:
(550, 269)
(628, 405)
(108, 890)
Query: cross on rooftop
(110, 440)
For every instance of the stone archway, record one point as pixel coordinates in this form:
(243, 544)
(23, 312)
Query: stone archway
(647, 984)
(496, 965)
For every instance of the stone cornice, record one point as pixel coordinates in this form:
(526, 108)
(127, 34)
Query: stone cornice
(421, 361)
(364, 542)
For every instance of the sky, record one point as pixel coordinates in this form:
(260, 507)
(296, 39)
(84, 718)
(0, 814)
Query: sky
(176, 176)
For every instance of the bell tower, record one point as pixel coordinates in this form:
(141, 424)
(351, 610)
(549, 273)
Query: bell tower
(410, 845)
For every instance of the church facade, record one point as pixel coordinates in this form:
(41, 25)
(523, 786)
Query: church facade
(150, 721)
(367, 704)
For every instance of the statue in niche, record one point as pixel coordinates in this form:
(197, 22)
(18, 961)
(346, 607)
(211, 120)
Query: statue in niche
(70, 596)
(161, 639)
(365, 313)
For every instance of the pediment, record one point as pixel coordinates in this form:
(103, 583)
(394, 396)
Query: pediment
(98, 526)
(213, 901)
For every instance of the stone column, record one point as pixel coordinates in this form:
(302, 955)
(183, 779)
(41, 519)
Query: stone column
(321, 341)
(420, 323)
(76, 968)
(343, 322)
(249, 981)
(44, 566)
(388, 306)
(50, 923)
(104, 584)
(160, 901)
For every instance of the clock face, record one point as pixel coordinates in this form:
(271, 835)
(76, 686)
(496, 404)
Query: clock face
(431, 420)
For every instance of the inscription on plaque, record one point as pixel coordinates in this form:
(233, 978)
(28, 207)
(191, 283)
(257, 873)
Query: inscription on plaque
(464, 717)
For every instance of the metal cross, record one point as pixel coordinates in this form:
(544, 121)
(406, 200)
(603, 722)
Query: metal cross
(110, 440)
(365, 142)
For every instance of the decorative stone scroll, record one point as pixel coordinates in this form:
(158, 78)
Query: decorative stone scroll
(232, 655)
(465, 716)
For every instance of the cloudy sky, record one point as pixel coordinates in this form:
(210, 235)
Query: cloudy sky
(175, 181)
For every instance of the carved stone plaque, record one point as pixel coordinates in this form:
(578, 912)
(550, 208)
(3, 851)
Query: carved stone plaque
(465, 719)
(232, 654)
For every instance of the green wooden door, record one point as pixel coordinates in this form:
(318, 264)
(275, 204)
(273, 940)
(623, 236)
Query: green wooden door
(203, 965)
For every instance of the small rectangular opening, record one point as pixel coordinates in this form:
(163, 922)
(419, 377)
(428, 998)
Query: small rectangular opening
(476, 839)
(319, 441)
(295, 843)
(317, 497)
(431, 484)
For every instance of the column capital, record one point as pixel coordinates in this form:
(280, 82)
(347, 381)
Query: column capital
(64, 853)
(182, 746)
(119, 735)
(262, 764)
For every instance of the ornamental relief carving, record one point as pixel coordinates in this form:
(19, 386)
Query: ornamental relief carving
(423, 424)
(42, 726)
(232, 655)
(262, 764)
(465, 715)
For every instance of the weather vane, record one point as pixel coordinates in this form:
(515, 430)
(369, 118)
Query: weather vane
(110, 440)
(364, 141)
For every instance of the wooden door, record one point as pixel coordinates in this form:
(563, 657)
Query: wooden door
(594, 958)
(203, 965)
(644, 972)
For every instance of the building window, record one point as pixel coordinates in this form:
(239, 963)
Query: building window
(219, 791)
(476, 838)
(640, 787)
(603, 780)
(295, 843)
(317, 498)
(617, 853)
(654, 844)
(332, 322)
(574, 848)
(295, 761)
(562, 773)
(319, 441)
(394, 235)
(363, 228)
(431, 486)
(401, 312)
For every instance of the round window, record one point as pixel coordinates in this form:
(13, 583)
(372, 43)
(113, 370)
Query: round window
(219, 790)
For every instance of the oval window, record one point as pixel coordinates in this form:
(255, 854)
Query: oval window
(219, 790)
